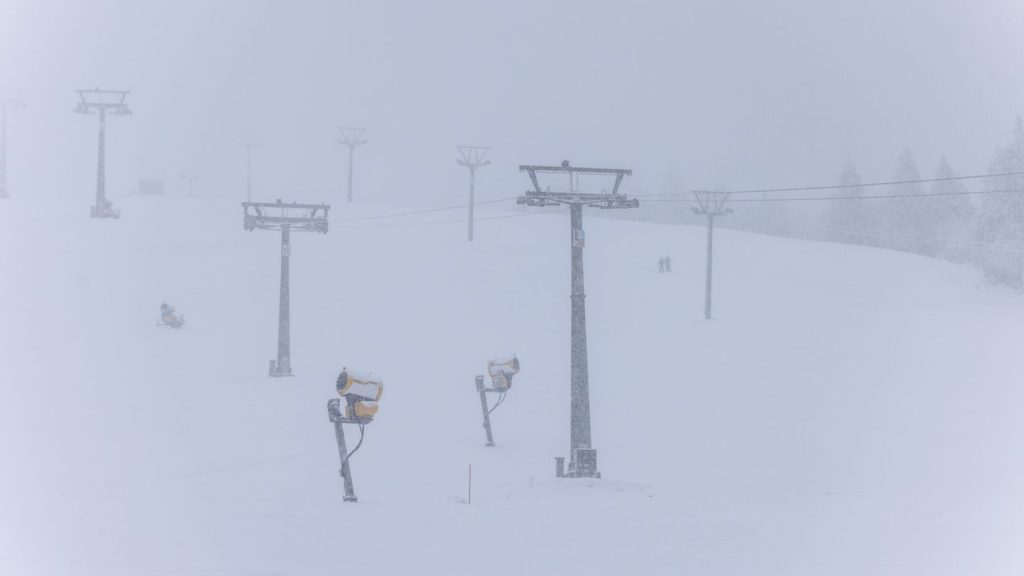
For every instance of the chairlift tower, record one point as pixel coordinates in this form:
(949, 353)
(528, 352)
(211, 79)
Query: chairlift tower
(351, 137)
(100, 103)
(582, 456)
(710, 205)
(249, 145)
(472, 157)
(284, 217)
(7, 101)
(189, 174)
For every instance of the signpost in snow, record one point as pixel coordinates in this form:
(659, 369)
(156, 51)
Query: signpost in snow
(582, 456)
(284, 217)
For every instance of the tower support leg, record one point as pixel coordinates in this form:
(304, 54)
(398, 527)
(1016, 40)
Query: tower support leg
(483, 407)
(346, 471)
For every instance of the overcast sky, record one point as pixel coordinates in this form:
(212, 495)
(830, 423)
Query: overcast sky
(688, 94)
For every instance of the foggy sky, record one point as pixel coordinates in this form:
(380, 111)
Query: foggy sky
(688, 94)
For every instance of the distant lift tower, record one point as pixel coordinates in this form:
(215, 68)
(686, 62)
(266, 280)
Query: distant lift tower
(7, 101)
(284, 217)
(582, 456)
(351, 137)
(710, 204)
(250, 145)
(472, 157)
(189, 174)
(101, 103)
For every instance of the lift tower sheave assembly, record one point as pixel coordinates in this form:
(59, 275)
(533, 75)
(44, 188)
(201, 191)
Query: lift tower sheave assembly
(353, 138)
(472, 157)
(101, 103)
(284, 217)
(8, 100)
(582, 456)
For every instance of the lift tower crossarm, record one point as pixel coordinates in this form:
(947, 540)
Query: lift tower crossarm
(308, 217)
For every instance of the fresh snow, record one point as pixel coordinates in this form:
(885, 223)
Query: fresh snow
(849, 411)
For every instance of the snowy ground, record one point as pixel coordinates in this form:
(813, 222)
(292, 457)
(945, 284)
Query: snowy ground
(849, 410)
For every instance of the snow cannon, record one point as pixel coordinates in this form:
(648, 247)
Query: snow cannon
(501, 371)
(169, 318)
(361, 394)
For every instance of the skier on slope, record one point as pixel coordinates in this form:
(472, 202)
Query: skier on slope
(168, 317)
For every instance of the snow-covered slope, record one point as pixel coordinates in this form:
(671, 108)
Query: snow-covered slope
(849, 411)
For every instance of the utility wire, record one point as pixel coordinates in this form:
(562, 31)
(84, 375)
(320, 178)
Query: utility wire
(863, 197)
(460, 221)
(861, 185)
(427, 211)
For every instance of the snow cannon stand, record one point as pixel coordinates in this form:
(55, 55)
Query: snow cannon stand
(361, 394)
(501, 372)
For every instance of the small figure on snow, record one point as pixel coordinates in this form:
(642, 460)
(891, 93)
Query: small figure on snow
(169, 318)
(668, 263)
(661, 264)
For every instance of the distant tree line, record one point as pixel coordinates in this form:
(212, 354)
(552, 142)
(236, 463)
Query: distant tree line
(981, 223)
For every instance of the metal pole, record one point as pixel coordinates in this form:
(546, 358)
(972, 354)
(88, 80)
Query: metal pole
(707, 285)
(483, 407)
(3, 150)
(351, 155)
(101, 175)
(579, 391)
(472, 180)
(248, 188)
(346, 472)
(284, 361)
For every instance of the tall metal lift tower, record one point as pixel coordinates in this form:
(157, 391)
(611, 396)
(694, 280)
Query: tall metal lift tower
(472, 157)
(7, 101)
(100, 103)
(710, 204)
(249, 145)
(189, 175)
(582, 456)
(284, 217)
(351, 137)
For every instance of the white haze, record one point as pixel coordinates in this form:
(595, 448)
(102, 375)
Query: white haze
(687, 94)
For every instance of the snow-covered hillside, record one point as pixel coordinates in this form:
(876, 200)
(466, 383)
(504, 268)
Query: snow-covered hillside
(848, 411)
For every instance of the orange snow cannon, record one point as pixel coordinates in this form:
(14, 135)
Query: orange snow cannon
(361, 394)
